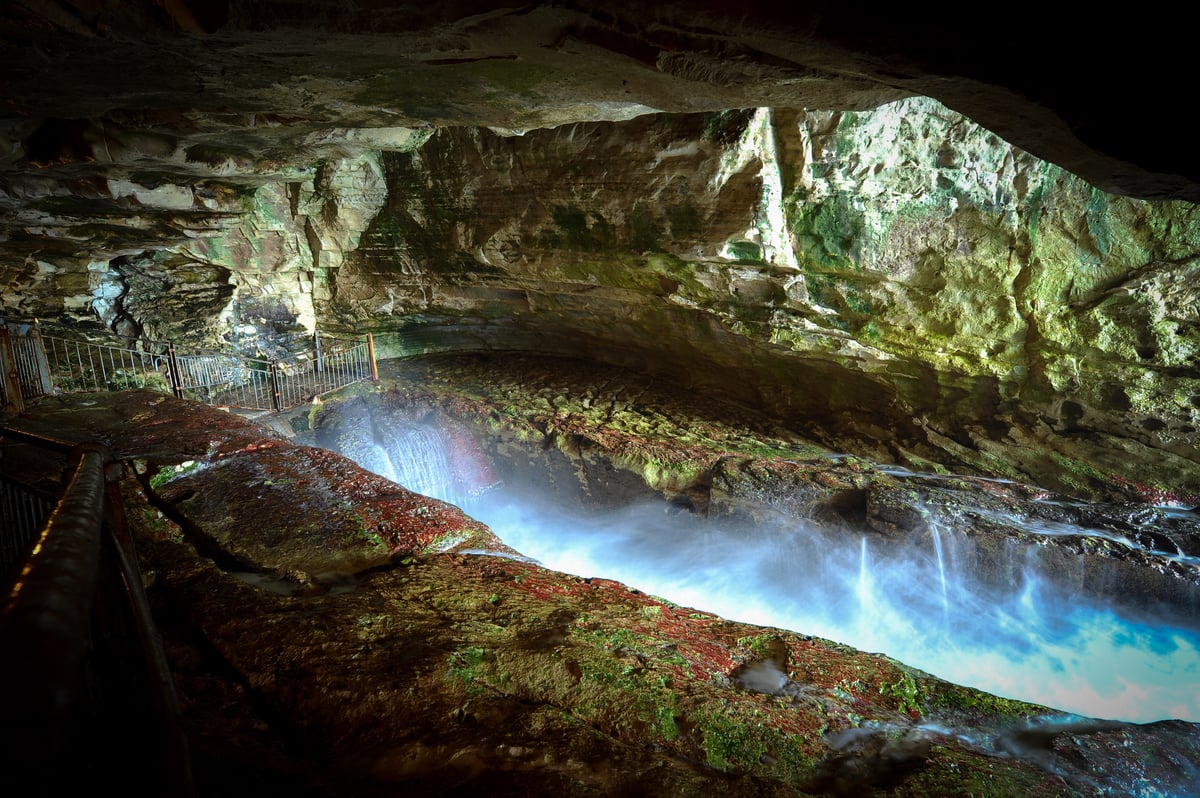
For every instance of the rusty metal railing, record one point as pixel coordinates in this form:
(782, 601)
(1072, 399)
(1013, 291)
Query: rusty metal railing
(76, 366)
(36, 364)
(84, 684)
(231, 381)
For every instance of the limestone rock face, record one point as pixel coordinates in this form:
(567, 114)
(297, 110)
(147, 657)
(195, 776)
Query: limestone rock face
(578, 180)
(901, 262)
(162, 296)
(293, 232)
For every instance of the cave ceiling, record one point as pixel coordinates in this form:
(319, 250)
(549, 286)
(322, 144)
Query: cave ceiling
(181, 89)
(105, 102)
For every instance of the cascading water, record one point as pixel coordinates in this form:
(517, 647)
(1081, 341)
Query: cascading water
(1020, 637)
(867, 608)
(429, 474)
(936, 534)
(424, 458)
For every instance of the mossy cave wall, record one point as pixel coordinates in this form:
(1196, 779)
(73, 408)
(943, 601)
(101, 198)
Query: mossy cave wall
(899, 276)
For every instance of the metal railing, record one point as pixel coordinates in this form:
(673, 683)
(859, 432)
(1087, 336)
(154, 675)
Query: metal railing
(23, 511)
(232, 381)
(30, 360)
(84, 681)
(44, 363)
(83, 366)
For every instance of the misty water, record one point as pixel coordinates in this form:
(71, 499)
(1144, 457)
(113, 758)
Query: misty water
(918, 603)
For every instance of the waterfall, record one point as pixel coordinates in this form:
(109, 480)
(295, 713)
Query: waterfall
(1020, 632)
(864, 576)
(419, 460)
(430, 457)
(868, 615)
(936, 534)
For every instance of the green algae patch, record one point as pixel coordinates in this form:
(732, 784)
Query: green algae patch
(951, 772)
(730, 745)
(907, 694)
(826, 233)
(458, 539)
(464, 665)
(952, 703)
(168, 473)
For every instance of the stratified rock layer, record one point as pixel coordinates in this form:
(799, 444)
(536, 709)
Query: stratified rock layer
(901, 273)
(981, 307)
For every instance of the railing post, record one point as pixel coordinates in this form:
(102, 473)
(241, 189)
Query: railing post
(317, 346)
(10, 384)
(273, 375)
(41, 363)
(173, 375)
(371, 355)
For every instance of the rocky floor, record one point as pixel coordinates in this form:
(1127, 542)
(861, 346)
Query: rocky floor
(330, 638)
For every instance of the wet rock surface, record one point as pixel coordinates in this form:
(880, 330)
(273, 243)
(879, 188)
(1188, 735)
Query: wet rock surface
(609, 436)
(451, 674)
(198, 462)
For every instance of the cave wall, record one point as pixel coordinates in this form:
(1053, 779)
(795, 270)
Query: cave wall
(901, 273)
(902, 263)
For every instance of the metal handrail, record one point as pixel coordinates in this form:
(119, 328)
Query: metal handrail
(229, 380)
(89, 366)
(45, 616)
(57, 717)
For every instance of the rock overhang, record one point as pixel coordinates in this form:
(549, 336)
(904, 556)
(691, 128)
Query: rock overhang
(138, 126)
(269, 81)
(240, 158)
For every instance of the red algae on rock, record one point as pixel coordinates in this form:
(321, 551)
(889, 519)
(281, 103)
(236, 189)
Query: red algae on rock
(462, 674)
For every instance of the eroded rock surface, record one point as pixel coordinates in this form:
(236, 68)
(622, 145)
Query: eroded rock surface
(901, 273)
(446, 674)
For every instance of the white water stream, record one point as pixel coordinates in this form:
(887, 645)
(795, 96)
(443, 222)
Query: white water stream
(920, 606)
